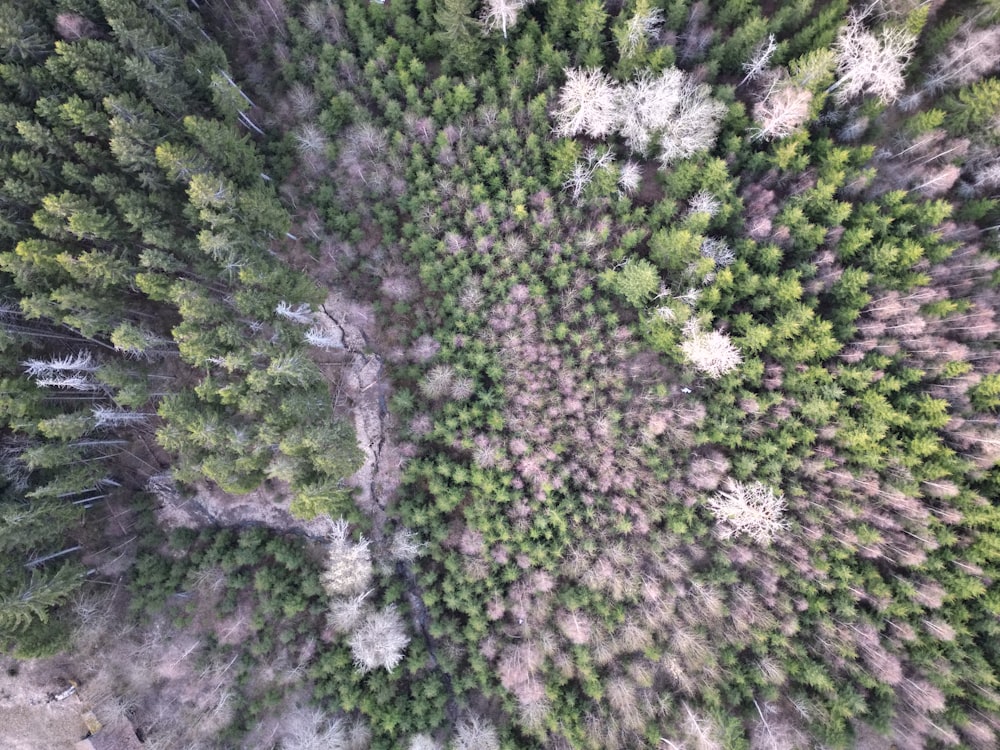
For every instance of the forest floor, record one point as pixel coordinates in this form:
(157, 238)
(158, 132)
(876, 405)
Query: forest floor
(29, 718)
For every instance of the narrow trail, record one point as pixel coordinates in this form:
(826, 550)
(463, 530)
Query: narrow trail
(367, 388)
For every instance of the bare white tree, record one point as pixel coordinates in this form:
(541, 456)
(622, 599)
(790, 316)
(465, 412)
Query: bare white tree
(630, 178)
(107, 416)
(302, 100)
(971, 54)
(324, 339)
(693, 127)
(475, 734)
(710, 352)
(462, 388)
(309, 729)
(697, 733)
(719, 251)
(669, 109)
(585, 169)
(704, 202)
(983, 169)
(405, 546)
(759, 60)
(297, 314)
(438, 381)
(639, 29)
(775, 731)
(502, 14)
(379, 641)
(310, 140)
(73, 382)
(359, 735)
(348, 569)
(782, 110)
(870, 64)
(588, 104)
(752, 509)
(82, 361)
(346, 613)
(646, 105)
(423, 742)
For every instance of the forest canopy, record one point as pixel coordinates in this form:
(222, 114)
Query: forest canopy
(587, 374)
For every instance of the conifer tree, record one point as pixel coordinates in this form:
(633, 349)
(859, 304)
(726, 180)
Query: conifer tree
(28, 597)
(459, 34)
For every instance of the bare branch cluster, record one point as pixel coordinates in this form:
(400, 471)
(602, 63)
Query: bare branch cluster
(870, 64)
(348, 569)
(668, 109)
(782, 110)
(379, 641)
(971, 54)
(710, 352)
(501, 14)
(752, 509)
(588, 104)
(638, 29)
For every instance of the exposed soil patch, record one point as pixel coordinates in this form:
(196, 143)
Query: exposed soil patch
(364, 387)
(650, 189)
(29, 719)
(209, 506)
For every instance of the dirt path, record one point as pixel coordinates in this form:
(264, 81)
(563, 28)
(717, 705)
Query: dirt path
(365, 385)
(366, 390)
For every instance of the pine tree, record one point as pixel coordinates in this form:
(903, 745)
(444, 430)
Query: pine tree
(634, 34)
(459, 34)
(973, 108)
(36, 524)
(29, 597)
(637, 282)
